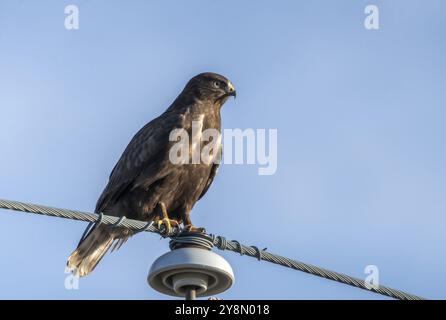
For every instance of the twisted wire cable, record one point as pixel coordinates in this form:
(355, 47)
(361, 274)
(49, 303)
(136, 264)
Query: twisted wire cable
(208, 241)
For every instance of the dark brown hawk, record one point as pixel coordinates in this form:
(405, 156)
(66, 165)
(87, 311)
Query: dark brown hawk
(145, 184)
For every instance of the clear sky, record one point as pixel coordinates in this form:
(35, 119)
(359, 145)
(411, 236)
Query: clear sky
(361, 127)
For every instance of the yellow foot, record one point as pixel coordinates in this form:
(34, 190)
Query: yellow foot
(168, 224)
(191, 228)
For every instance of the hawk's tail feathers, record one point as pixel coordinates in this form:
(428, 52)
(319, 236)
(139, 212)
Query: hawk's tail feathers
(91, 249)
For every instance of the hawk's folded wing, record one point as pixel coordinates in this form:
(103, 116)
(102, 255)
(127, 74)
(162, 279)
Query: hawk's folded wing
(147, 152)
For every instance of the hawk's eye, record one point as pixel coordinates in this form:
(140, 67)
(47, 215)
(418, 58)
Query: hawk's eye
(217, 84)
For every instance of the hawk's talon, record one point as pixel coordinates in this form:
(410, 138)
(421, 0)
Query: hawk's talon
(191, 228)
(168, 224)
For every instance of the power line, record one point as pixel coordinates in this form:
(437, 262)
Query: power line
(217, 241)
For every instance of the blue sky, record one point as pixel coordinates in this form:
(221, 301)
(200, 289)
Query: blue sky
(360, 118)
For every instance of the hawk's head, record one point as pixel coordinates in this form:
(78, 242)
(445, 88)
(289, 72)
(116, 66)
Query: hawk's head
(211, 86)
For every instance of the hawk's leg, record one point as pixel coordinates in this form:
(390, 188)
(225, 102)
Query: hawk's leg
(165, 220)
(189, 227)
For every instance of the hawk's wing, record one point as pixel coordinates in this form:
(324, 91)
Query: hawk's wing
(147, 152)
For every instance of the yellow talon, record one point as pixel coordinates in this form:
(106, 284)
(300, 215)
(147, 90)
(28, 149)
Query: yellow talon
(167, 223)
(191, 228)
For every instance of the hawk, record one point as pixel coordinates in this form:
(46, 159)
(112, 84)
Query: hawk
(145, 184)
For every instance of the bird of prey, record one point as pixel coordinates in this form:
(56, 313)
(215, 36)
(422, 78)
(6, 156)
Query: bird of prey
(145, 184)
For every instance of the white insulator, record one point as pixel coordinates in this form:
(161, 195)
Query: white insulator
(179, 270)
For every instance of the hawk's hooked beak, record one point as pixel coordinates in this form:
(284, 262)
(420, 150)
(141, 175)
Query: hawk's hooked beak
(231, 90)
